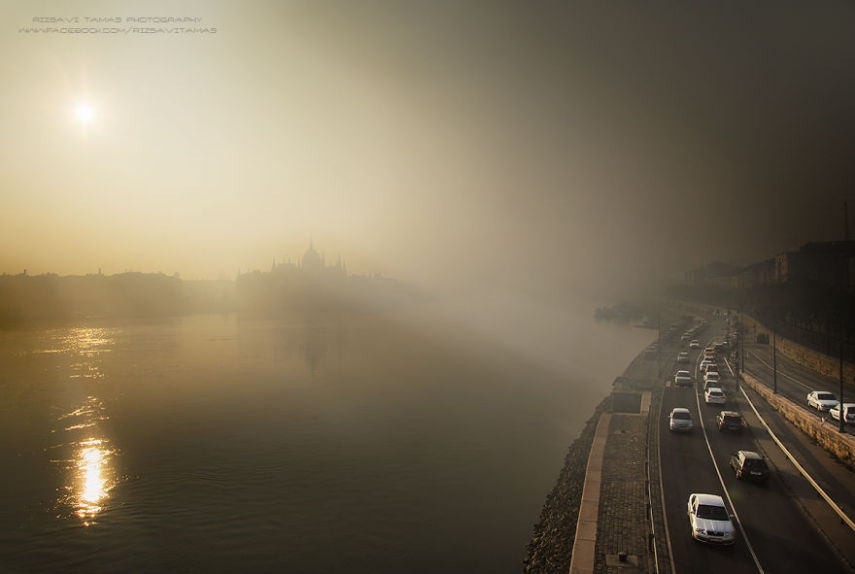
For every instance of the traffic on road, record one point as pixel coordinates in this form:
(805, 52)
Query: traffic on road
(731, 502)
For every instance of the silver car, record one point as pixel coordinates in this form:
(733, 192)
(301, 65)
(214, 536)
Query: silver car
(680, 420)
(714, 396)
(709, 519)
(683, 378)
(706, 363)
(712, 379)
(822, 400)
(848, 409)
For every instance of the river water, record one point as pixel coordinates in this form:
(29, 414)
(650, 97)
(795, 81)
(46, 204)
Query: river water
(222, 443)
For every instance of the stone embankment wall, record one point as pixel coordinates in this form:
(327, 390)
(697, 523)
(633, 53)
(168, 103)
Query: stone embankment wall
(825, 433)
(551, 545)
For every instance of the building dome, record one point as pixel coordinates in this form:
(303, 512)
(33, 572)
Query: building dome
(311, 261)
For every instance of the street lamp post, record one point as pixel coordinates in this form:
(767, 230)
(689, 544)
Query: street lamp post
(741, 342)
(842, 346)
(740, 349)
(774, 358)
(659, 345)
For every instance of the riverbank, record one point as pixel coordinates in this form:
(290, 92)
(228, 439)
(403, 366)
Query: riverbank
(551, 547)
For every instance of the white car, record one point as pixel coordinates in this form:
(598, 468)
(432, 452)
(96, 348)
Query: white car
(680, 420)
(712, 377)
(693, 344)
(704, 364)
(683, 378)
(822, 400)
(848, 409)
(709, 519)
(716, 396)
(683, 357)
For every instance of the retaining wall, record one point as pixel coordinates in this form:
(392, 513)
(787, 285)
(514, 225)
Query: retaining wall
(842, 446)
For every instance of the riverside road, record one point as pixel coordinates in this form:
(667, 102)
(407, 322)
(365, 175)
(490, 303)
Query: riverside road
(780, 525)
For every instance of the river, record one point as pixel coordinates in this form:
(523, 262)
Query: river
(226, 443)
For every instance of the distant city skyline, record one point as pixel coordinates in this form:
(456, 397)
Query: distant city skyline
(298, 261)
(555, 147)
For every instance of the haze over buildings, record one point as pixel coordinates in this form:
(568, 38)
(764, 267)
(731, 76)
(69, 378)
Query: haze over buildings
(479, 145)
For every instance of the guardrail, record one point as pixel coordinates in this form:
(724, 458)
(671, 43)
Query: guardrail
(653, 420)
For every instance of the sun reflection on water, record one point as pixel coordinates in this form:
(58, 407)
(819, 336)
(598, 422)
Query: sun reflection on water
(87, 465)
(83, 450)
(92, 482)
(86, 461)
(87, 341)
(81, 341)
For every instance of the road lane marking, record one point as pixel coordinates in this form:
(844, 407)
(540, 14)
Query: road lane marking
(780, 373)
(662, 490)
(798, 466)
(721, 478)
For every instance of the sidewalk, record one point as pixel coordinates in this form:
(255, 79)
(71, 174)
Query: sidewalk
(587, 532)
(612, 533)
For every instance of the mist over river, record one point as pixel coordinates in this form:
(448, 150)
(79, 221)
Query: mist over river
(226, 443)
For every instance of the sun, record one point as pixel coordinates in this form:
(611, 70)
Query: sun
(84, 113)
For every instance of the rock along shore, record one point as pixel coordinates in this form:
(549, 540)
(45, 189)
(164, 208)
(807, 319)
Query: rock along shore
(551, 544)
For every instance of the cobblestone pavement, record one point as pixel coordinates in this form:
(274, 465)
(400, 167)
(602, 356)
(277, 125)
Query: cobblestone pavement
(624, 516)
(622, 524)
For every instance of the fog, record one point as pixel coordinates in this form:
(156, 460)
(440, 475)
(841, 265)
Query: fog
(514, 155)
(281, 277)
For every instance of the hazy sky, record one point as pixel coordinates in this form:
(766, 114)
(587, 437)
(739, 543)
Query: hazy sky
(565, 144)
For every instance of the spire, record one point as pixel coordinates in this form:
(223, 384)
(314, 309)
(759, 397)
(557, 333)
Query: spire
(311, 262)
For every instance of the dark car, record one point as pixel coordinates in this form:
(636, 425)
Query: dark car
(748, 465)
(730, 421)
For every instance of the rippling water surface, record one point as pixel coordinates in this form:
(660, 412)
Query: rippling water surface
(219, 443)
